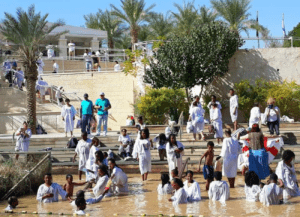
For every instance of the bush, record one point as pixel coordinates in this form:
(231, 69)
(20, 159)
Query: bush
(159, 104)
(286, 95)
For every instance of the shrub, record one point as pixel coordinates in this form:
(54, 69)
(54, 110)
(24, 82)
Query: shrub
(157, 105)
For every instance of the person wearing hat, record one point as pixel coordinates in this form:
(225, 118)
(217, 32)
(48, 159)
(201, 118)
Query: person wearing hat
(86, 113)
(103, 105)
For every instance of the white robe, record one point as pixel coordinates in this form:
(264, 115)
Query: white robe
(23, 142)
(252, 193)
(100, 186)
(216, 116)
(199, 106)
(218, 191)
(94, 200)
(254, 116)
(174, 162)
(79, 212)
(54, 189)
(83, 151)
(68, 113)
(180, 196)
(288, 176)
(271, 194)
(234, 103)
(230, 152)
(90, 164)
(158, 145)
(166, 189)
(40, 64)
(142, 151)
(125, 141)
(119, 180)
(211, 108)
(9, 208)
(195, 112)
(193, 192)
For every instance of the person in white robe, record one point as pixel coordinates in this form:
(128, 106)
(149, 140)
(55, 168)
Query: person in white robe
(216, 120)
(218, 190)
(48, 192)
(101, 181)
(174, 151)
(286, 174)
(118, 179)
(197, 100)
(125, 140)
(71, 46)
(213, 101)
(41, 86)
(234, 104)
(165, 187)
(50, 50)
(58, 96)
(19, 75)
(83, 151)
(254, 115)
(142, 152)
(23, 139)
(243, 159)
(230, 153)
(197, 119)
(180, 196)
(252, 189)
(191, 187)
(117, 67)
(40, 64)
(271, 194)
(140, 126)
(68, 113)
(12, 203)
(161, 141)
(90, 164)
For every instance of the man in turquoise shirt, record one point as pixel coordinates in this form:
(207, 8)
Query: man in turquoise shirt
(103, 105)
(86, 113)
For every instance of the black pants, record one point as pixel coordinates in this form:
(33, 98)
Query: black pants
(273, 126)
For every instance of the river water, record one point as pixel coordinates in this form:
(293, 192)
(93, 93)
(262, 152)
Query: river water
(143, 199)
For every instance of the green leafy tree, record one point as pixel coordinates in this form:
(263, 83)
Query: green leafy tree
(106, 21)
(294, 33)
(185, 18)
(158, 104)
(28, 30)
(144, 33)
(124, 41)
(134, 13)
(206, 15)
(161, 25)
(194, 59)
(236, 14)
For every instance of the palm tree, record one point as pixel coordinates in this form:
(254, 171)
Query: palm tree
(106, 21)
(124, 42)
(28, 30)
(186, 17)
(160, 25)
(235, 13)
(206, 15)
(134, 13)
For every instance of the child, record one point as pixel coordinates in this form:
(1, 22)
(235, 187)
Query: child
(69, 186)
(161, 141)
(196, 116)
(208, 168)
(252, 189)
(218, 164)
(49, 191)
(79, 194)
(271, 194)
(140, 126)
(92, 160)
(81, 205)
(216, 120)
(180, 196)
(165, 186)
(101, 181)
(191, 187)
(218, 190)
(287, 175)
(124, 140)
(174, 173)
(83, 151)
(105, 161)
(142, 153)
(12, 203)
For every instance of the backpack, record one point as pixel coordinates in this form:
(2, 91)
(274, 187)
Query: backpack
(72, 143)
(40, 130)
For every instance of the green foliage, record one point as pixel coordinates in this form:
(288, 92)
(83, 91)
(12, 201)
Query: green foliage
(161, 25)
(194, 59)
(286, 95)
(160, 42)
(207, 16)
(294, 33)
(157, 104)
(129, 67)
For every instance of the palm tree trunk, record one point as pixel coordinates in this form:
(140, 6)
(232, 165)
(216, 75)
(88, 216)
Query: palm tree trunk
(134, 32)
(111, 46)
(31, 103)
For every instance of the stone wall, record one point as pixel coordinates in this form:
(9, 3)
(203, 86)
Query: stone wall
(118, 88)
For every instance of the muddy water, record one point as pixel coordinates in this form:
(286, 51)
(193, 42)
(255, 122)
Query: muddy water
(143, 199)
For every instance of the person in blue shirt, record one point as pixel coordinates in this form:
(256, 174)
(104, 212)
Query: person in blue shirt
(86, 113)
(103, 105)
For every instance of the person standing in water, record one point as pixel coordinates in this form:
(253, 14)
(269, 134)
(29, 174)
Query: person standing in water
(234, 104)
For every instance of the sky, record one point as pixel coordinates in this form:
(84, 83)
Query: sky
(72, 11)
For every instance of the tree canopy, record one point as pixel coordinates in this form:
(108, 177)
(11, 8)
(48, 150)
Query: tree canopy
(294, 33)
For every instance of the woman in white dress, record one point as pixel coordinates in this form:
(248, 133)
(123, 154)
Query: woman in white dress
(101, 181)
(216, 120)
(196, 116)
(23, 140)
(252, 189)
(68, 113)
(254, 115)
(142, 153)
(165, 186)
(174, 151)
(230, 153)
(180, 195)
(91, 161)
(191, 187)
